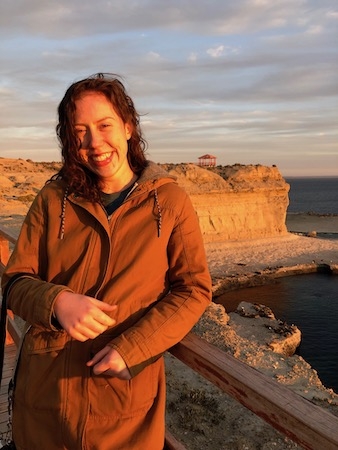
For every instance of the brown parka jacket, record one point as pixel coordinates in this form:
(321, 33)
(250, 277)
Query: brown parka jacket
(148, 259)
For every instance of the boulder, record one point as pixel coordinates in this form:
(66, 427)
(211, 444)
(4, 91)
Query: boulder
(265, 329)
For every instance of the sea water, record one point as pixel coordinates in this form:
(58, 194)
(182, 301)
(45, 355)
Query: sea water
(313, 202)
(314, 195)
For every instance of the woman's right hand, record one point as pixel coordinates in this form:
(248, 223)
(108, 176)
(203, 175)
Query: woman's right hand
(81, 316)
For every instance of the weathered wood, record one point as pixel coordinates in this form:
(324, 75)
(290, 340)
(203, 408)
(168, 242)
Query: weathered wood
(310, 426)
(4, 249)
(10, 354)
(14, 331)
(171, 443)
(8, 235)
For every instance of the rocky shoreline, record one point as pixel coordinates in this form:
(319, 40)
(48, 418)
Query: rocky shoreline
(208, 418)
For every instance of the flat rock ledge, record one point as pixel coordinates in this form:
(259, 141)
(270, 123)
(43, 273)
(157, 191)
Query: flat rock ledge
(265, 329)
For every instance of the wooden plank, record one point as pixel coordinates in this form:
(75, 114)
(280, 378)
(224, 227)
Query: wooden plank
(10, 355)
(7, 235)
(171, 443)
(4, 250)
(308, 425)
(13, 331)
(3, 423)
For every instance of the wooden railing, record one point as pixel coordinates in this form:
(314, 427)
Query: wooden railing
(7, 238)
(310, 426)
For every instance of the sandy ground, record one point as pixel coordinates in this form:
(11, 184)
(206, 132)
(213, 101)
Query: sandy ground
(235, 258)
(294, 248)
(199, 414)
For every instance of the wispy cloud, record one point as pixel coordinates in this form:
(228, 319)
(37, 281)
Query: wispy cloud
(216, 52)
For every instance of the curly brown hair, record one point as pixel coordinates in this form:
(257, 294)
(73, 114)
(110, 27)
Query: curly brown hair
(78, 178)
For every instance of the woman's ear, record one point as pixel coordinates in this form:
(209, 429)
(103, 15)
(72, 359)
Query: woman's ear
(128, 130)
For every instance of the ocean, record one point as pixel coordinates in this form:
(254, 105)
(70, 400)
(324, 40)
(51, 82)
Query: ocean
(309, 301)
(314, 195)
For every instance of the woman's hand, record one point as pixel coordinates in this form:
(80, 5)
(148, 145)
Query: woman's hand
(108, 361)
(81, 316)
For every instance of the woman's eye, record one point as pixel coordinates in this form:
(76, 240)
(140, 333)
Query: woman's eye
(80, 130)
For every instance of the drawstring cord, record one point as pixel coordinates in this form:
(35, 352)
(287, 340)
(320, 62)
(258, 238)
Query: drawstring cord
(159, 217)
(63, 214)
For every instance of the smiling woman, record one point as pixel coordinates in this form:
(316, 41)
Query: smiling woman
(103, 141)
(109, 271)
(100, 136)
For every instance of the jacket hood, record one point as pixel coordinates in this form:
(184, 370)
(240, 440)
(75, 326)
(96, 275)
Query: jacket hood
(154, 172)
(152, 177)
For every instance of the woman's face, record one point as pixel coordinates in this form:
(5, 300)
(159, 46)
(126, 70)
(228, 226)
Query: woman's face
(103, 136)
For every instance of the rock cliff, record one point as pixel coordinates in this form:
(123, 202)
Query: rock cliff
(232, 202)
(20, 181)
(236, 202)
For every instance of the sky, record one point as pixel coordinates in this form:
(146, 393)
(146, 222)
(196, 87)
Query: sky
(247, 81)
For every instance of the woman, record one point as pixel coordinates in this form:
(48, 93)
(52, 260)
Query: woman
(109, 271)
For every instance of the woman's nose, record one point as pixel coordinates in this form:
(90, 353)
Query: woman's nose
(94, 138)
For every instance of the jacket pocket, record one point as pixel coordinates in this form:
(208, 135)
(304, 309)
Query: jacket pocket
(41, 369)
(112, 397)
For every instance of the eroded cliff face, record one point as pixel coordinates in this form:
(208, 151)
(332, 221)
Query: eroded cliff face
(236, 202)
(232, 202)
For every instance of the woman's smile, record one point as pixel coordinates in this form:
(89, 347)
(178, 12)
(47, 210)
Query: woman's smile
(102, 159)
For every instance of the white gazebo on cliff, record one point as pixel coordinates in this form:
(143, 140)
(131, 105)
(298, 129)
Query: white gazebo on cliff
(207, 160)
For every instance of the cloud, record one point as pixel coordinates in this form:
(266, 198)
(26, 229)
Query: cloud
(82, 18)
(153, 56)
(251, 79)
(216, 52)
(192, 57)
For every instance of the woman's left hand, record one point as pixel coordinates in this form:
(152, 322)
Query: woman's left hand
(108, 361)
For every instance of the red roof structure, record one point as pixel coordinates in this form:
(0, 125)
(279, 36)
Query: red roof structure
(207, 160)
